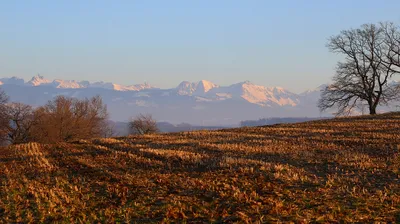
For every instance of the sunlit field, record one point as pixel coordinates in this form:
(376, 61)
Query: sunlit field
(345, 169)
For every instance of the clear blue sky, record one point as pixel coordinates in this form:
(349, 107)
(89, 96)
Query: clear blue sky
(272, 43)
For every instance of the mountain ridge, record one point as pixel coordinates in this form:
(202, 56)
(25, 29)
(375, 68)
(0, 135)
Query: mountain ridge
(39, 80)
(199, 103)
(202, 90)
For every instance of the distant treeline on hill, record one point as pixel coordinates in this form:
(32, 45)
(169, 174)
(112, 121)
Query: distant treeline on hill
(122, 129)
(278, 120)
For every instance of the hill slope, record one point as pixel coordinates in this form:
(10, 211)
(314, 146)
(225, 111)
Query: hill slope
(342, 169)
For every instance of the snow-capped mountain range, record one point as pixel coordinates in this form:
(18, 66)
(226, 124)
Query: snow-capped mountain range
(39, 80)
(202, 103)
(202, 91)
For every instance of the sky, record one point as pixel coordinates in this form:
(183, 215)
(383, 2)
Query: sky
(270, 43)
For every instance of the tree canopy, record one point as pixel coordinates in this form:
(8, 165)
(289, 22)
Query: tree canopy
(371, 59)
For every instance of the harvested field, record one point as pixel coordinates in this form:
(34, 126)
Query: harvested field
(345, 169)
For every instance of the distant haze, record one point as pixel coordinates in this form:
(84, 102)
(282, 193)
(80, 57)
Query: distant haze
(272, 43)
(201, 103)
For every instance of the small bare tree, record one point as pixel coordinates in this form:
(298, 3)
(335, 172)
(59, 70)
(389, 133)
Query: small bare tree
(143, 124)
(370, 61)
(3, 117)
(21, 120)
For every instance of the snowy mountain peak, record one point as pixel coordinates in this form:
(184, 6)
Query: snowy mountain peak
(38, 80)
(264, 96)
(13, 80)
(191, 88)
(184, 84)
(69, 84)
(186, 88)
(137, 87)
(204, 86)
(144, 86)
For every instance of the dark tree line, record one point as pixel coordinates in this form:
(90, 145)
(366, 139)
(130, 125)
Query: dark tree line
(61, 119)
(371, 59)
(278, 120)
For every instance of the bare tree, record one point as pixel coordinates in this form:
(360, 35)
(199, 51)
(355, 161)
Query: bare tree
(3, 117)
(41, 131)
(143, 124)
(90, 117)
(21, 120)
(365, 74)
(65, 118)
(58, 119)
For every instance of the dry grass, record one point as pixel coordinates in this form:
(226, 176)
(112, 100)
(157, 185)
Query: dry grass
(323, 171)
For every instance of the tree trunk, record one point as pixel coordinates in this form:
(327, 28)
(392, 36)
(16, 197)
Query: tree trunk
(372, 110)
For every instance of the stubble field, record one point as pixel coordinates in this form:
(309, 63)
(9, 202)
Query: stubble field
(335, 170)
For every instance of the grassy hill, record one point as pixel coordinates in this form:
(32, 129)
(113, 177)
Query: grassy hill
(321, 171)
